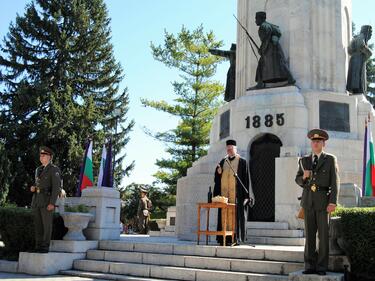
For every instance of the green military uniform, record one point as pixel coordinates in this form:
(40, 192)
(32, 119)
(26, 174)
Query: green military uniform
(143, 213)
(319, 190)
(48, 186)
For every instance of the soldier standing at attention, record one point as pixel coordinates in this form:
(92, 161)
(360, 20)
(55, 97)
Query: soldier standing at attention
(144, 208)
(318, 176)
(46, 189)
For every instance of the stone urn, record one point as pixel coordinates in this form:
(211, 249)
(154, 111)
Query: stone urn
(161, 223)
(75, 222)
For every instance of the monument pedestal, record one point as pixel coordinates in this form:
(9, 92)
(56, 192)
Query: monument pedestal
(284, 114)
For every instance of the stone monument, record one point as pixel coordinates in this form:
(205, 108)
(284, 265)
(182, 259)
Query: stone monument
(230, 86)
(271, 124)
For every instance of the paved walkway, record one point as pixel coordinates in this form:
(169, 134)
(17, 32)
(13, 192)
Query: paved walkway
(14, 277)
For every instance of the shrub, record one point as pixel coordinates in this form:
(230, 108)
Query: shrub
(77, 209)
(358, 226)
(17, 230)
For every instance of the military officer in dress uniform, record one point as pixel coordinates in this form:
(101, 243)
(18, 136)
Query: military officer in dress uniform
(46, 189)
(318, 176)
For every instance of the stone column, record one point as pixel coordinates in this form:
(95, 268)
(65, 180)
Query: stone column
(105, 204)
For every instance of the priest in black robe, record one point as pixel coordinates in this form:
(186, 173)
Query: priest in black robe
(228, 185)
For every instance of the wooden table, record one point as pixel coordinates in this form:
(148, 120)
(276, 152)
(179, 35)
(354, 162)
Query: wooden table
(224, 207)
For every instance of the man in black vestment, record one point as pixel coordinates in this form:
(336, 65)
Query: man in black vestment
(227, 185)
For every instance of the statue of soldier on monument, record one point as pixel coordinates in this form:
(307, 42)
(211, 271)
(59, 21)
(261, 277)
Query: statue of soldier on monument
(230, 87)
(359, 53)
(272, 65)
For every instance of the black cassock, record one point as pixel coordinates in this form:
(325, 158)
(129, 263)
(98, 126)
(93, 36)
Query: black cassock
(241, 196)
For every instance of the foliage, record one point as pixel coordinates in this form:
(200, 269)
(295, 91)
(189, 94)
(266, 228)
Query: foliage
(17, 230)
(130, 197)
(60, 84)
(359, 235)
(77, 209)
(195, 104)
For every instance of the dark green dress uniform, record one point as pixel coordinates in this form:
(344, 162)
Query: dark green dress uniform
(319, 190)
(48, 186)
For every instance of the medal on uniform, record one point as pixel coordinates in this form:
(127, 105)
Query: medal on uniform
(313, 188)
(37, 190)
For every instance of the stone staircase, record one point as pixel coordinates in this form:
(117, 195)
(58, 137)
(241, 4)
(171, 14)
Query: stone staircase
(273, 233)
(121, 260)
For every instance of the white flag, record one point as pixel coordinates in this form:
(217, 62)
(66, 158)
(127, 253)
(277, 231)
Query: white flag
(102, 166)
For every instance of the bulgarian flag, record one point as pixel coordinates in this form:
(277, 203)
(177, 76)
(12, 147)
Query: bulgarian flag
(86, 177)
(368, 185)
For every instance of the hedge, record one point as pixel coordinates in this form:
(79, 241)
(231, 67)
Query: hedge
(17, 231)
(358, 226)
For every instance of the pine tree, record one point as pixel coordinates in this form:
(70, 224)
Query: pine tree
(195, 104)
(61, 85)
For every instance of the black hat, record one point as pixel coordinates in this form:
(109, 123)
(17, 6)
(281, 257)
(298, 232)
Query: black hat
(262, 15)
(318, 134)
(231, 142)
(46, 150)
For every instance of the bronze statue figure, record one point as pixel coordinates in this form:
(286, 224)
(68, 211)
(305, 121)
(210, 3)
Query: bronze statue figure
(272, 65)
(230, 87)
(359, 53)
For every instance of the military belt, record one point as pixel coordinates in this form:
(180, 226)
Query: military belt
(41, 190)
(315, 188)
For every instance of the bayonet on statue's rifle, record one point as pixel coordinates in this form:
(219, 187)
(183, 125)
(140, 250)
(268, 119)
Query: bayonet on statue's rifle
(251, 40)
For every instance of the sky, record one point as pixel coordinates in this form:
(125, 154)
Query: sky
(136, 23)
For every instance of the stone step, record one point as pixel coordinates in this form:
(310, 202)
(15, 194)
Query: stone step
(285, 241)
(171, 272)
(107, 276)
(214, 263)
(297, 233)
(331, 276)
(259, 252)
(267, 225)
(48, 263)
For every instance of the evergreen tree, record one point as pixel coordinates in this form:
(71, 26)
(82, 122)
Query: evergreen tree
(195, 104)
(61, 86)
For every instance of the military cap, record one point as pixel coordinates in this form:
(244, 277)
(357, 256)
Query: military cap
(231, 142)
(260, 15)
(45, 150)
(143, 189)
(318, 134)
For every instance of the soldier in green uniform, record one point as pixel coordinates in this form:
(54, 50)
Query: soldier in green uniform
(143, 213)
(318, 176)
(46, 189)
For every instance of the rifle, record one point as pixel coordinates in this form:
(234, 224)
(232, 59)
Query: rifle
(251, 40)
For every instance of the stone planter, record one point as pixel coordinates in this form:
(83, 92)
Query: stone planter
(75, 222)
(161, 223)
